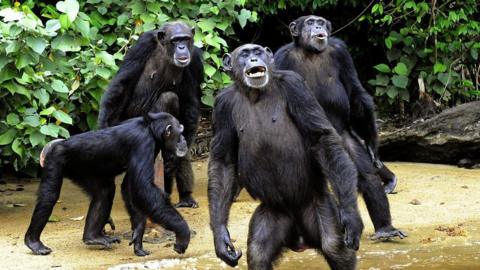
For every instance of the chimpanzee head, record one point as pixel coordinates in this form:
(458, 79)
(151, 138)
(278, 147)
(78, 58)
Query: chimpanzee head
(167, 130)
(177, 39)
(311, 32)
(250, 64)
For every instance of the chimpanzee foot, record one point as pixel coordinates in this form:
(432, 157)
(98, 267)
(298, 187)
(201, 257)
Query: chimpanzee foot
(38, 247)
(141, 252)
(390, 185)
(105, 241)
(187, 202)
(387, 234)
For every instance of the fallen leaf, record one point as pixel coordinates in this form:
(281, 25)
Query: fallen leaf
(77, 218)
(53, 218)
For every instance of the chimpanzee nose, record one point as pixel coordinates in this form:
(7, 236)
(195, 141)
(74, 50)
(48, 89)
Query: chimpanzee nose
(253, 59)
(181, 47)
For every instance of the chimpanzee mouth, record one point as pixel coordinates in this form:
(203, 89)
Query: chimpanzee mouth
(183, 60)
(256, 72)
(321, 36)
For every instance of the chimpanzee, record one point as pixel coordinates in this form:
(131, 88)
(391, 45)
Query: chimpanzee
(273, 138)
(162, 61)
(93, 159)
(327, 67)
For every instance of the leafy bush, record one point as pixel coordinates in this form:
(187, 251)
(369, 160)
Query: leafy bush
(56, 61)
(437, 44)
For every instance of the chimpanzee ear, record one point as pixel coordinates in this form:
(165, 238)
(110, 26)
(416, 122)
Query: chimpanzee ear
(270, 54)
(161, 35)
(193, 30)
(293, 29)
(168, 130)
(329, 27)
(227, 62)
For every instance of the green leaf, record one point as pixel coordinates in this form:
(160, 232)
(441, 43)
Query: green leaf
(438, 68)
(42, 96)
(8, 136)
(103, 72)
(392, 92)
(83, 27)
(106, 58)
(50, 130)
(17, 147)
(31, 120)
(243, 17)
(64, 21)
(37, 44)
(59, 86)
(23, 60)
(400, 81)
(48, 111)
(206, 25)
(53, 218)
(401, 69)
(4, 60)
(36, 138)
(15, 88)
(209, 70)
(474, 53)
(62, 117)
(208, 100)
(382, 68)
(122, 19)
(70, 7)
(66, 43)
(12, 47)
(388, 43)
(13, 119)
(53, 25)
(443, 78)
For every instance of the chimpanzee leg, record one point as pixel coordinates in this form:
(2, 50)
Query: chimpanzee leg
(102, 192)
(48, 193)
(137, 220)
(269, 233)
(184, 178)
(322, 230)
(371, 187)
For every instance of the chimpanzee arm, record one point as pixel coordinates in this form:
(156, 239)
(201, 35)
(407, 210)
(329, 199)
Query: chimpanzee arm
(152, 200)
(329, 153)
(222, 170)
(190, 97)
(362, 107)
(189, 115)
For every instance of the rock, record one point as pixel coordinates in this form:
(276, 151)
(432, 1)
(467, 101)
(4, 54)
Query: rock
(415, 202)
(446, 138)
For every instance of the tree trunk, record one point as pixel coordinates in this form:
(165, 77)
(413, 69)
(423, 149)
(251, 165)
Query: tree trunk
(447, 138)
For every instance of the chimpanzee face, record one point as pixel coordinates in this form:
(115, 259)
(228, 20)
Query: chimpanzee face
(312, 32)
(250, 64)
(177, 38)
(167, 129)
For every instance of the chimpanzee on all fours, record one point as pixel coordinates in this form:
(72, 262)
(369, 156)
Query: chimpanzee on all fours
(93, 159)
(162, 72)
(272, 137)
(328, 69)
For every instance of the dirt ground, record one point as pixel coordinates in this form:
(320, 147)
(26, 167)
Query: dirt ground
(437, 205)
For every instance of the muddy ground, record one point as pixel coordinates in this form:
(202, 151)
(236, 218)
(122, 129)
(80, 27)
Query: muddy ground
(439, 206)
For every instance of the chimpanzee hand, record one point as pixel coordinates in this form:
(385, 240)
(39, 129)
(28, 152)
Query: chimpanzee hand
(352, 227)
(182, 239)
(225, 249)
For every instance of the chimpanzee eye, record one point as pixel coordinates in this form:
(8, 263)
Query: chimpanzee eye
(258, 52)
(321, 23)
(244, 54)
(309, 22)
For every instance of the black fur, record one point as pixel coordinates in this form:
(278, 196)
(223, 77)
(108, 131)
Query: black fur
(331, 75)
(277, 143)
(92, 160)
(146, 73)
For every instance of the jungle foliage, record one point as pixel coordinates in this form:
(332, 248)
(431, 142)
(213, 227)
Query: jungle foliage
(57, 57)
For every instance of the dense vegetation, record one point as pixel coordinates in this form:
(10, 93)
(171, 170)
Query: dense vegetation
(57, 57)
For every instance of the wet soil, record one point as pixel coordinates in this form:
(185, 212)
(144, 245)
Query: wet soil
(437, 205)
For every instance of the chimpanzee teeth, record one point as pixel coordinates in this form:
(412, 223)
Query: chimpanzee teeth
(256, 74)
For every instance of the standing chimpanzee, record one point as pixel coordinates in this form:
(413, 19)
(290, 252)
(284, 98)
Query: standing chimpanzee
(273, 138)
(327, 67)
(93, 159)
(164, 67)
